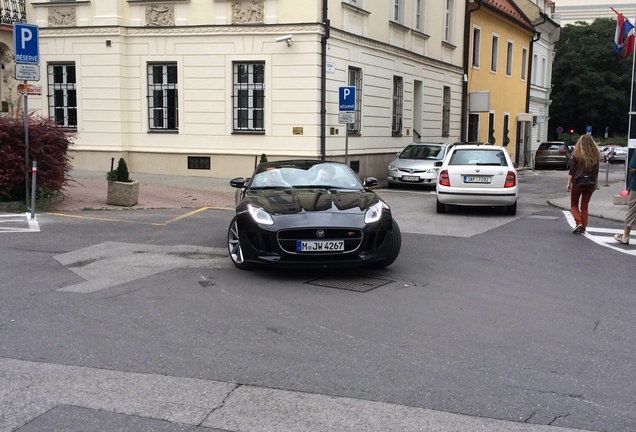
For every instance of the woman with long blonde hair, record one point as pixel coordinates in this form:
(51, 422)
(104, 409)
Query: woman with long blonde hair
(582, 179)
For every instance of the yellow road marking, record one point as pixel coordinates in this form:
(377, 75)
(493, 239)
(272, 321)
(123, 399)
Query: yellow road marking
(149, 223)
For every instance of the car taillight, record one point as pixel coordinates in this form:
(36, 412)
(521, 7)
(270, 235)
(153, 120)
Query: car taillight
(511, 180)
(561, 151)
(443, 178)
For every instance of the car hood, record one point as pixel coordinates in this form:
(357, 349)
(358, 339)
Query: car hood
(414, 163)
(297, 200)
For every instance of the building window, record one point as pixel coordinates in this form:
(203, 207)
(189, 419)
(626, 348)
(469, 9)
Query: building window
(248, 97)
(543, 72)
(494, 53)
(533, 78)
(524, 63)
(473, 127)
(397, 10)
(163, 97)
(398, 103)
(476, 46)
(491, 128)
(505, 131)
(418, 15)
(355, 79)
(448, 21)
(509, 52)
(446, 106)
(199, 162)
(63, 94)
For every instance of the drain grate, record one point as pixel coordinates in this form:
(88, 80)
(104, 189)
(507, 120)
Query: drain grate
(357, 283)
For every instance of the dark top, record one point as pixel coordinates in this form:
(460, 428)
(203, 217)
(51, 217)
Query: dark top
(577, 170)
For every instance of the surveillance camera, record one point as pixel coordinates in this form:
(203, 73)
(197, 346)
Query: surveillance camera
(283, 38)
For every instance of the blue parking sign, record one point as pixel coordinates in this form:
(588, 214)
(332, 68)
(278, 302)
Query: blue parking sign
(347, 98)
(588, 130)
(26, 44)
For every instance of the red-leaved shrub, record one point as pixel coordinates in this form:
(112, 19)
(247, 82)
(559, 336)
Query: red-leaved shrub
(48, 145)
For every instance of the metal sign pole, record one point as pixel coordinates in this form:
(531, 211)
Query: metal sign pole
(34, 174)
(26, 145)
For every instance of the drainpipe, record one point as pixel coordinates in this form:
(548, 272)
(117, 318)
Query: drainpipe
(535, 38)
(464, 117)
(323, 81)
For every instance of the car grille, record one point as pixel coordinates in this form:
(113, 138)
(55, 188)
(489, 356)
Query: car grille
(352, 238)
(412, 171)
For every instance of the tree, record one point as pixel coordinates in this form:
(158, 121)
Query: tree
(591, 83)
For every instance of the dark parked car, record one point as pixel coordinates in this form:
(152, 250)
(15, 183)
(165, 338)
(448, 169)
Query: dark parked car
(310, 213)
(554, 154)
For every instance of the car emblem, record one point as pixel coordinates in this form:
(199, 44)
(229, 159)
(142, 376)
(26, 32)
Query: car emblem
(477, 170)
(320, 233)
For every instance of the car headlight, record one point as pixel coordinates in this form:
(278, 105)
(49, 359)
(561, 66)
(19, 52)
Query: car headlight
(259, 215)
(374, 213)
(432, 170)
(392, 168)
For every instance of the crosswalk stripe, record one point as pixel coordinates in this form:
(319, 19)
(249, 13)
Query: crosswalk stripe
(602, 240)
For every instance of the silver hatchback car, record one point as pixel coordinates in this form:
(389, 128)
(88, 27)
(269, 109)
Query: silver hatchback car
(415, 165)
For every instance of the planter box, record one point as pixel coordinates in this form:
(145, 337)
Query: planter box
(123, 193)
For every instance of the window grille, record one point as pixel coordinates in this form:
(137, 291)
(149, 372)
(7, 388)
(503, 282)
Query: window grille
(248, 97)
(398, 94)
(163, 107)
(62, 94)
(355, 79)
(446, 112)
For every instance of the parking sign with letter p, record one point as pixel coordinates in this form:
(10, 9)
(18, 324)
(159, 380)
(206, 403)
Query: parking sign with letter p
(26, 44)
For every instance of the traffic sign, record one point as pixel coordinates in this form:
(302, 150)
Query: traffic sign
(27, 72)
(347, 96)
(588, 129)
(346, 117)
(26, 46)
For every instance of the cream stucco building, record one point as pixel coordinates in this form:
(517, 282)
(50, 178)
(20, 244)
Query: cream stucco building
(204, 87)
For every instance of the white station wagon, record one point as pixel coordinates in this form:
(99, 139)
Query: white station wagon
(477, 175)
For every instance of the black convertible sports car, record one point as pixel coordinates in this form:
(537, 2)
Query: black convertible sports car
(310, 213)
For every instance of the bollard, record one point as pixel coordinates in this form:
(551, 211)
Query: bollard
(607, 164)
(34, 174)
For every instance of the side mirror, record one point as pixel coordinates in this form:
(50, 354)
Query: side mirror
(370, 182)
(438, 164)
(238, 182)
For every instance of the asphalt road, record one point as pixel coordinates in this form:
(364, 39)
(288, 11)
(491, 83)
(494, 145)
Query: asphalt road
(137, 320)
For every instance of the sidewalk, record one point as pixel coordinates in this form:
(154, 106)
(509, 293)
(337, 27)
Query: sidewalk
(87, 191)
(602, 202)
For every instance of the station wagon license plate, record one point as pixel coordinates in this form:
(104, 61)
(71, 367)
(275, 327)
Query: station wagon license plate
(319, 245)
(477, 179)
(410, 178)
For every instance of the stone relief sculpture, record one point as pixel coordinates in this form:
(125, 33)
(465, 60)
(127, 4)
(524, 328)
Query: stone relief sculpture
(13, 99)
(162, 16)
(247, 11)
(62, 17)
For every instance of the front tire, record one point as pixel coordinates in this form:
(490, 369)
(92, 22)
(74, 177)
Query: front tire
(394, 251)
(234, 246)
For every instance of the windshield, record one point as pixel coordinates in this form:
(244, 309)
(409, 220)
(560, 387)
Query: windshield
(419, 151)
(324, 175)
(478, 157)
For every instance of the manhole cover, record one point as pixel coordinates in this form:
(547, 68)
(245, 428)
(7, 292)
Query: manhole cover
(358, 283)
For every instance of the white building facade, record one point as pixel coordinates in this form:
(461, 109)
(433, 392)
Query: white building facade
(205, 87)
(547, 25)
(571, 11)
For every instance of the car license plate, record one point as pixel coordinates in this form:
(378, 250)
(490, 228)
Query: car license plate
(477, 179)
(319, 245)
(410, 178)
